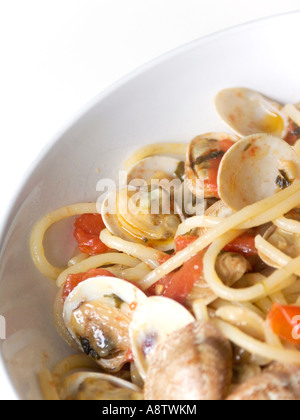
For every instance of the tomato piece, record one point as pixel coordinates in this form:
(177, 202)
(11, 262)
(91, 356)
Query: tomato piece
(284, 321)
(293, 134)
(211, 181)
(178, 285)
(244, 244)
(86, 233)
(181, 242)
(74, 279)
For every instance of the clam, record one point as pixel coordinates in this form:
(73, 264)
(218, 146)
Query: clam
(255, 168)
(154, 168)
(202, 161)
(293, 113)
(97, 314)
(193, 363)
(97, 386)
(144, 215)
(153, 321)
(248, 112)
(285, 241)
(218, 209)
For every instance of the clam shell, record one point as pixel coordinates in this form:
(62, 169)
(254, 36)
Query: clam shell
(105, 291)
(250, 169)
(201, 146)
(130, 226)
(248, 112)
(147, 168)
(72, 384)
(153, 321)
(286, 242)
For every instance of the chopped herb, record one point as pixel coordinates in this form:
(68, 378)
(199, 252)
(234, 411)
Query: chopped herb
(283, 180)
(180, 171)
(145, 240)
(117, 301)
(247, 147)
(210, 156)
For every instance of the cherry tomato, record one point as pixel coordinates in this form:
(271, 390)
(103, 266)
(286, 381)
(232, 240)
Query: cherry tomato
(284, 321)
(87, 231)
(244, 244)
(74, 279)
(183, 241)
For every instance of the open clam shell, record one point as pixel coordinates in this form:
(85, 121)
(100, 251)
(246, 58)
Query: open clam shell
(97, 386)
(203, 152)
(97, 314)
(147, 215)
(248, 112)
(154, 168)
(153, 321)
(286, 242)
(255, 168)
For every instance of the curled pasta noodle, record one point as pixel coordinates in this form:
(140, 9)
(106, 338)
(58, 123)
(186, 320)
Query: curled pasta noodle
(196, 222)
(275, 282)
(271, 338)
(264, 305)
(257, 347)
(71, 364)
(95, 262)
(289, 225)
(39, 230)
(155, 149)
(131, 274)
(149, 255)
(200, 310)
(245, 319)
(272, 252)
(77, 259)
(219, 303)
(262, 212)
(278, 298)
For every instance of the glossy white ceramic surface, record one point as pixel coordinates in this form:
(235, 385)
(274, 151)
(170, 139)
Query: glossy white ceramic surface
(171, 99)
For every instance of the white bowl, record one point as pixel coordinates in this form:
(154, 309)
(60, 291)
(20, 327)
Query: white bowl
(171, 99)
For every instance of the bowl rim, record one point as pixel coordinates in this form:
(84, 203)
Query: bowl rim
(11, 208)
(94, 101)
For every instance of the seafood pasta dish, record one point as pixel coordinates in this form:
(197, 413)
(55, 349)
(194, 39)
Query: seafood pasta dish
(184, 284)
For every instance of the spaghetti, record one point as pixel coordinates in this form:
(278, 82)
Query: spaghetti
(220, 269)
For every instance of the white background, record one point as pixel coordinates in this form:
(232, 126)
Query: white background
(56, 55)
